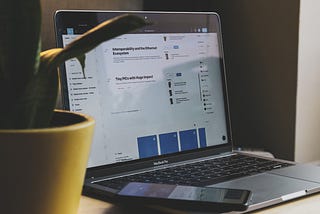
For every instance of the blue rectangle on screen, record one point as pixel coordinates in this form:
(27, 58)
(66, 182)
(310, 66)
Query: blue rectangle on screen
(202, 137)
(147, 146)
(70, 31)
(168, 143)
(188, 139)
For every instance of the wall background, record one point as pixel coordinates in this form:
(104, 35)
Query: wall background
(308, 87)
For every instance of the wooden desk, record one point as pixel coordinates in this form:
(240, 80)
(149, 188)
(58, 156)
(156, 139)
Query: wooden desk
(310, 204)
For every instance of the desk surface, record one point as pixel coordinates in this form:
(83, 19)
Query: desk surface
(310, 204)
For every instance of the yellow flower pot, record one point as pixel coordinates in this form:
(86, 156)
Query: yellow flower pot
(42, 170)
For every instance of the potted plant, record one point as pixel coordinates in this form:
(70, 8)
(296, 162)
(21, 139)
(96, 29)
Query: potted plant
(43, 153)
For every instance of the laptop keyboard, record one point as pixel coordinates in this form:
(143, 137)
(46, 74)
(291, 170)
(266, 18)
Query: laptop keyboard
(201, 173)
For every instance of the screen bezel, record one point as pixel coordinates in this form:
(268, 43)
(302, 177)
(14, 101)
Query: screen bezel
(65, 18)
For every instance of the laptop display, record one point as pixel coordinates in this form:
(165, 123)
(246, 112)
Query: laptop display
(155, 91)
(159, 99)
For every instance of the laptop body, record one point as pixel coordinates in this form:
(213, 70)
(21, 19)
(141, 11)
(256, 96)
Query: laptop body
(159, 97)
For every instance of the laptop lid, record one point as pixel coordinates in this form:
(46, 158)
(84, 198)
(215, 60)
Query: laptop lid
(158, 94)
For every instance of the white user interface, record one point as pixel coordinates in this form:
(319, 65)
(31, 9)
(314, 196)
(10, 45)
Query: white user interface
(150, 94)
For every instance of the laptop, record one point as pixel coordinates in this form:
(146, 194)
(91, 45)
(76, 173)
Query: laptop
(159, 98)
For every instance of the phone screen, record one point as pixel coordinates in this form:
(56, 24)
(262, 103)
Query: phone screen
(187, 193)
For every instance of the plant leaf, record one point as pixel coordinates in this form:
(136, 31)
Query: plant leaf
(103, 32)
(19, 54)
(82, 59)
(35, 108)
(38, 101)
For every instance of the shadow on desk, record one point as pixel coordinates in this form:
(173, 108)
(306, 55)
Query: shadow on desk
(310, 204)
(94, 206)
(139, 209)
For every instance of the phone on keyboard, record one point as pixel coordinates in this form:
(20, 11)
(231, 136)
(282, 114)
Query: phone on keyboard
(189, 198)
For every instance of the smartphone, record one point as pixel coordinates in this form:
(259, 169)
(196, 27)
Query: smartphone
(189, 198)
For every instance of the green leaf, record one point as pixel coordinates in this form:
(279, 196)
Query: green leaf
(103, 32)
(35, 108)
(19, 54)
(39, 98)
(82, 59)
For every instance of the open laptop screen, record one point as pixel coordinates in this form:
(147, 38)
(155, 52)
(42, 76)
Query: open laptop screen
(156, 91)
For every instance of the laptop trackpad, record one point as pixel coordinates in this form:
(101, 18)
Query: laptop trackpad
(306, 172)
(267, 187)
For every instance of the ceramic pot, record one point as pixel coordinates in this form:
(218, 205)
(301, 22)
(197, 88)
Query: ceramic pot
(42, 170)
